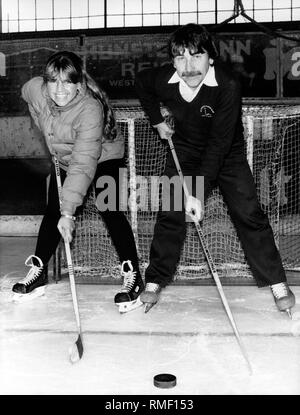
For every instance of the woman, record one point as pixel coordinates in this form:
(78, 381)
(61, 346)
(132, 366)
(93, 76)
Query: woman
(80, 131)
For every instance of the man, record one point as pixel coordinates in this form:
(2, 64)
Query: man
(205, 101)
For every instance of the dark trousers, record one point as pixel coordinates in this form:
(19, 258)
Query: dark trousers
(237, 187)
(116, 222)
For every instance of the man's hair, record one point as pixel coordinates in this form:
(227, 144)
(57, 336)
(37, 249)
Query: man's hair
(193, 37)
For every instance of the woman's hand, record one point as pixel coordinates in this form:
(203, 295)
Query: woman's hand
(66, 227)
(164, 130)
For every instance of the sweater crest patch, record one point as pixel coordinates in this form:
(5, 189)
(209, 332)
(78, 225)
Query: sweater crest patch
(206, 111)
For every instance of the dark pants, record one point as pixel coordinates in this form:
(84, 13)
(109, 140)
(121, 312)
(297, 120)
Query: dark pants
(116, 222)
(237, 187)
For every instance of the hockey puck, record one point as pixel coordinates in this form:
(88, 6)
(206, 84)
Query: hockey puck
(164, 380)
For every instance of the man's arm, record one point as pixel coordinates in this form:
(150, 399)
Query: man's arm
(147, 87)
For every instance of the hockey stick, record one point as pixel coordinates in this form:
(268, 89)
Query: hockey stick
(76, 351)
(209, 258)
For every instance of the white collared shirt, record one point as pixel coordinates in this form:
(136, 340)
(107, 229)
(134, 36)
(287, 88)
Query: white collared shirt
(187, 93)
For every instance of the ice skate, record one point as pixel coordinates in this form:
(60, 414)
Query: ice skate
(33, 285)
(150, 296)
(283, 297)
(128, 298)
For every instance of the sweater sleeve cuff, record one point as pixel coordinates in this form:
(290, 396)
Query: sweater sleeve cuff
(68, 208)
(155, 117)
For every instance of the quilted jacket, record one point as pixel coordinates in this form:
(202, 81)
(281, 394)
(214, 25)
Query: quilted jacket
(73, 134)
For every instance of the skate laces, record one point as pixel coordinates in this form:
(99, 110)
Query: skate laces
(34, 272)
(280, 290)
(129, 276)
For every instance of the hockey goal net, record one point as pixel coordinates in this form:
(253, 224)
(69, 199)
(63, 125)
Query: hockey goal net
(272, 136)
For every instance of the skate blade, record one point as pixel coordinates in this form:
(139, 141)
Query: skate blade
(289, 313)
(129, 306)
(23, 298)
(148, 306)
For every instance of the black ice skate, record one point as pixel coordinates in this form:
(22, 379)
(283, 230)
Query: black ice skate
(284, 298)
(128, 298)
(150, 296)
(33, 285)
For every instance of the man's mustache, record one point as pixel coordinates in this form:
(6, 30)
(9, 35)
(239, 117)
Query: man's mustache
(193, 73)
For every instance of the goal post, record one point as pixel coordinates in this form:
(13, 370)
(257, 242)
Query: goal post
(272, 138)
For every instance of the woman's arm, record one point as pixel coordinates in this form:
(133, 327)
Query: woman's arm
(31, 92)
(84, 158)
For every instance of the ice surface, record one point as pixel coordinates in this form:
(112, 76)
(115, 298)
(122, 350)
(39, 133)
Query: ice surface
(187, 333)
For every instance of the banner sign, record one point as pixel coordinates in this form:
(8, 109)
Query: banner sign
(267, 67)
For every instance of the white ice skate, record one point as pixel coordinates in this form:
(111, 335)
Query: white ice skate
(128, 298)
(33, 285)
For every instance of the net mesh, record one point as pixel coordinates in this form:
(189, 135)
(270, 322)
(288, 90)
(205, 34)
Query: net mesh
(272, 135)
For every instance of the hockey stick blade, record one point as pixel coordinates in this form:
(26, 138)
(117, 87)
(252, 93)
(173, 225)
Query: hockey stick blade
(76, 351)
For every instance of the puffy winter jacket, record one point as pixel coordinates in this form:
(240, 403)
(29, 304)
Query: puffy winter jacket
(73, 134)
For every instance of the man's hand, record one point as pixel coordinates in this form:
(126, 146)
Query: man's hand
(66, 227)
(164, 130)
(193, 207)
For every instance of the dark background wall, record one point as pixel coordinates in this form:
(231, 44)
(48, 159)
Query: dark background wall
(269, 68)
